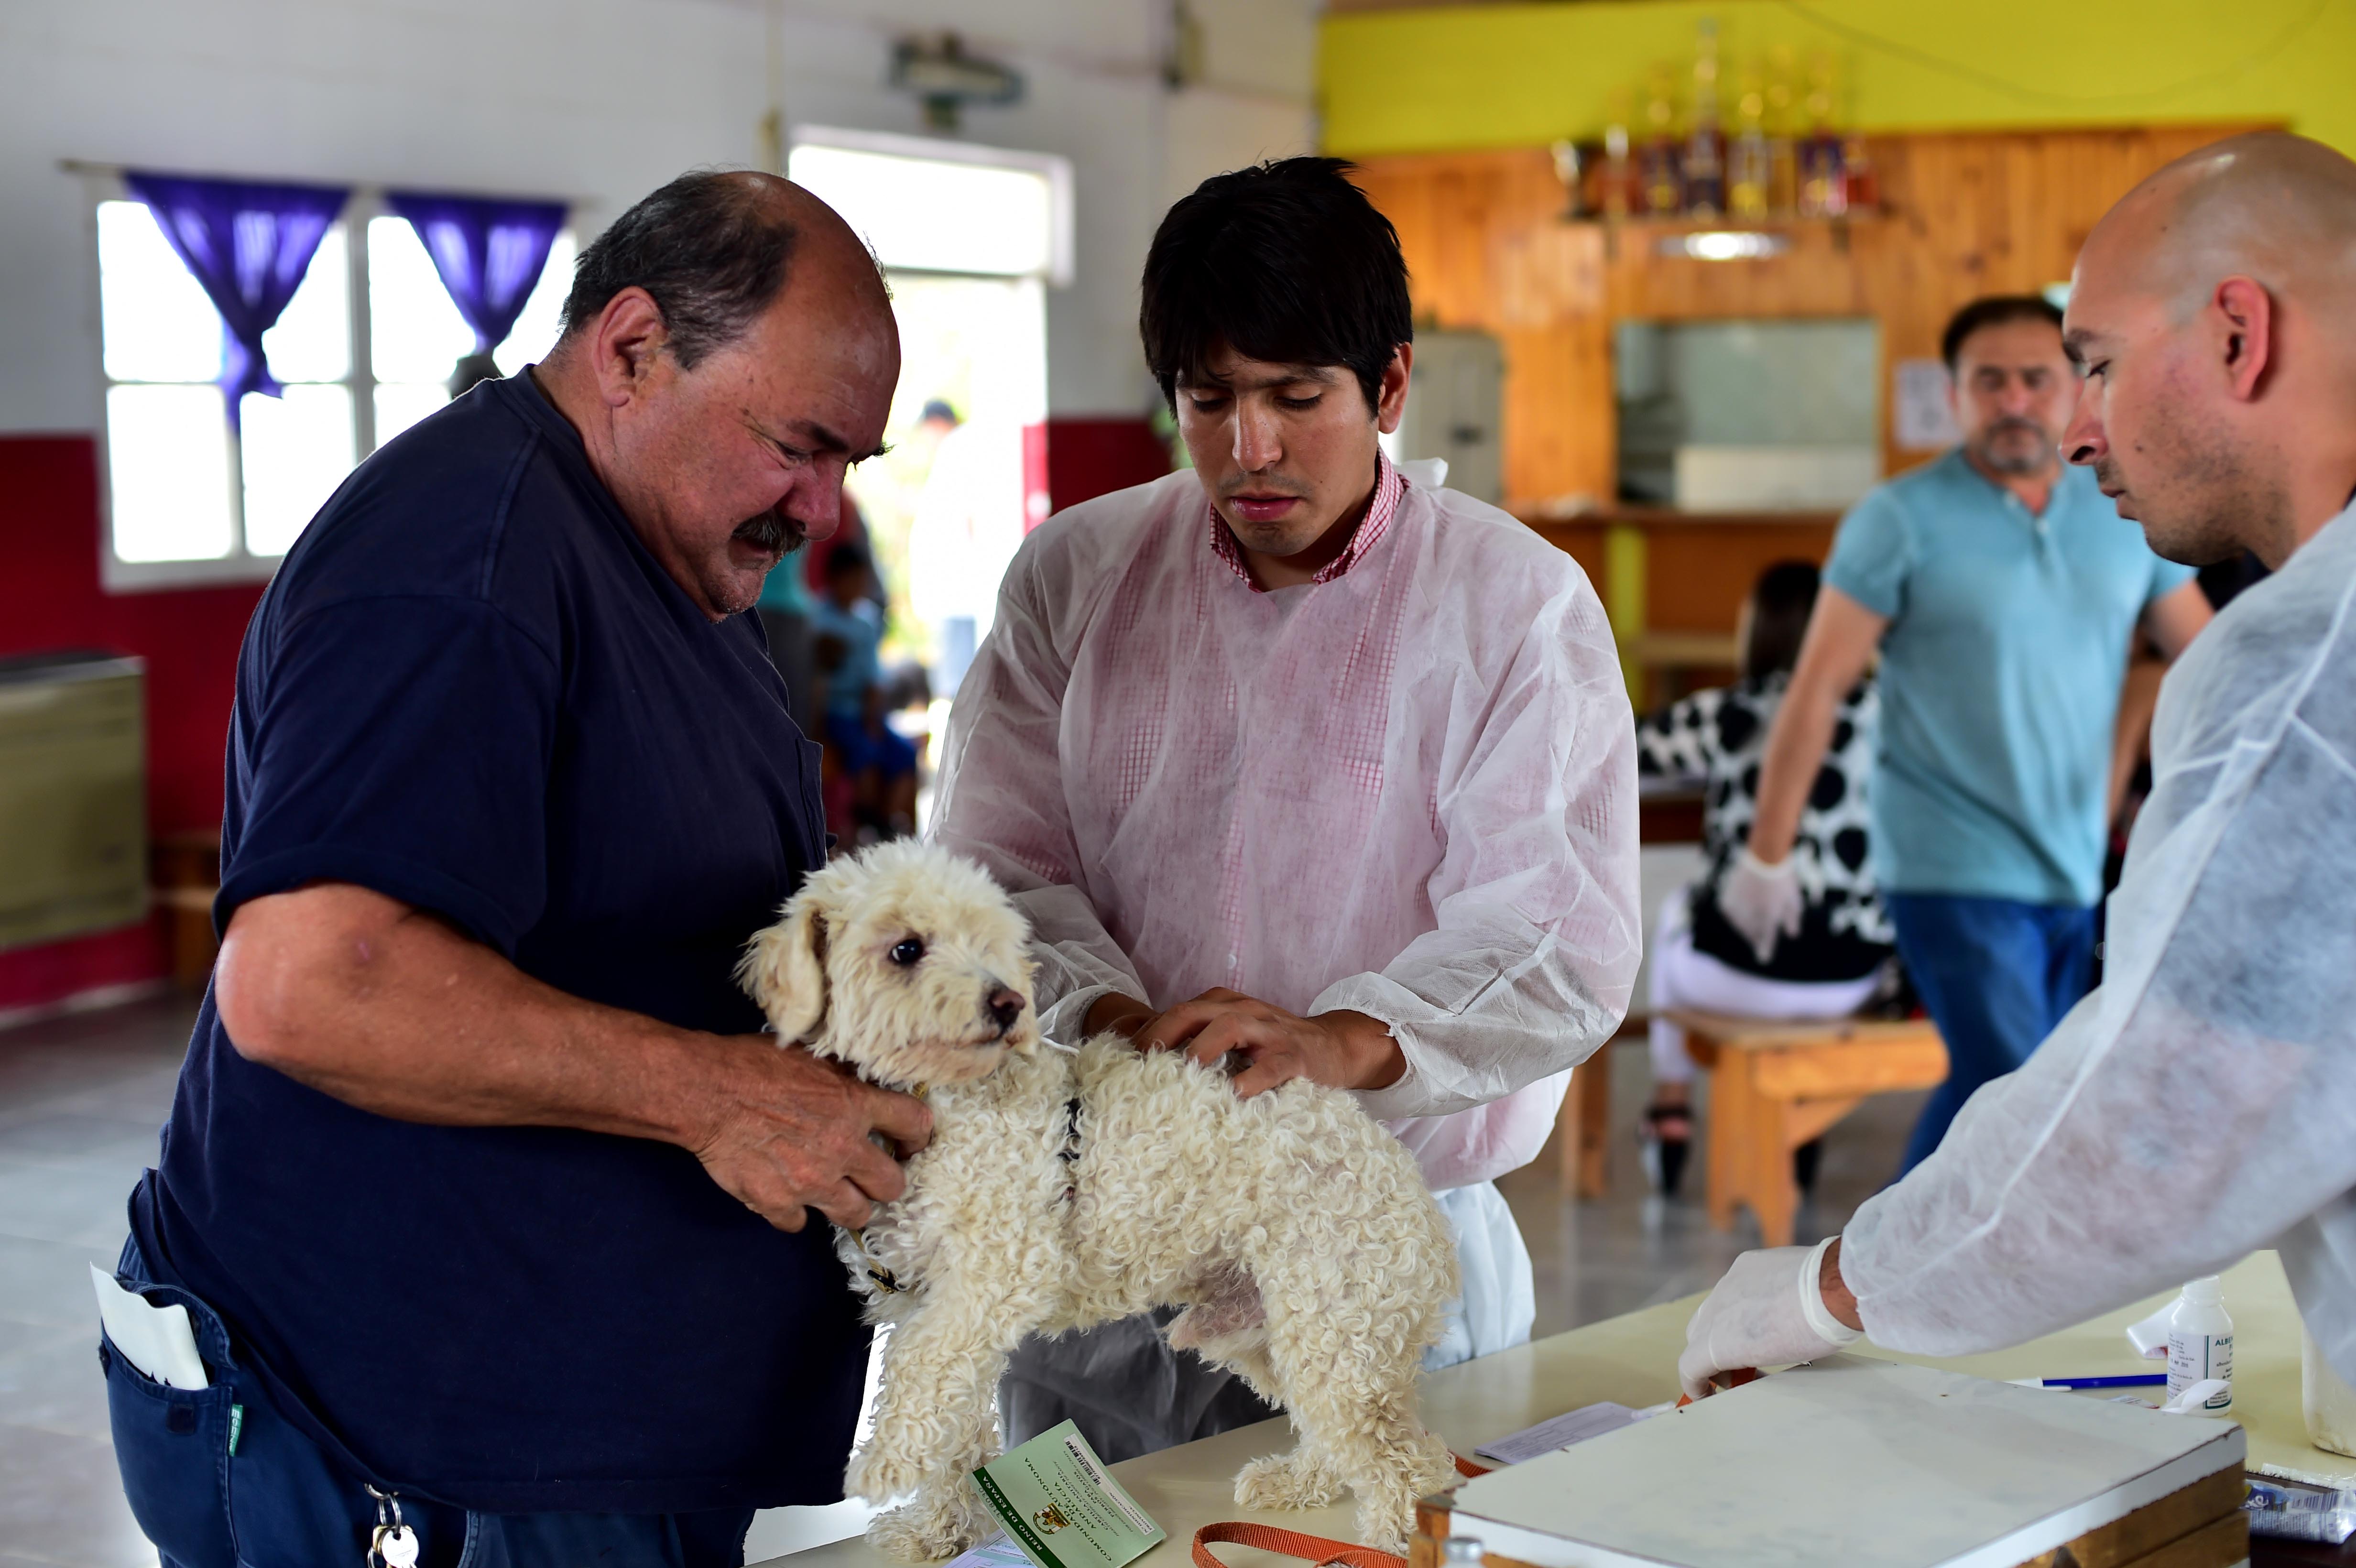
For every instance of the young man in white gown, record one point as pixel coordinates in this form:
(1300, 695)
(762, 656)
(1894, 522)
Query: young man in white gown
(1287, 757)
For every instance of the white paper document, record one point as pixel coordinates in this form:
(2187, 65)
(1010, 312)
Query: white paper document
(156, 1340)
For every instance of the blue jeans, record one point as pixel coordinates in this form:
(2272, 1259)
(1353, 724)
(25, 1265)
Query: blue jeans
(1996, 977)
(217, 1478)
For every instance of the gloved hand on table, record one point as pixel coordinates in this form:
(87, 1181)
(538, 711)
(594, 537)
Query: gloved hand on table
(1761, 901)
(1769, 1311)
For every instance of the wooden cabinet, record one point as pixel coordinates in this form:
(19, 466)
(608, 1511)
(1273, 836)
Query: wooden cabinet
(1963, 215)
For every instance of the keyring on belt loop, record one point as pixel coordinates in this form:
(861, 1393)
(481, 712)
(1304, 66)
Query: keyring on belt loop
(382, 1499)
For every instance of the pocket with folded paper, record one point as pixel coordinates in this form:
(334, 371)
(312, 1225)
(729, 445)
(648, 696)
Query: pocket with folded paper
(157, 1340)
(1864, 1463)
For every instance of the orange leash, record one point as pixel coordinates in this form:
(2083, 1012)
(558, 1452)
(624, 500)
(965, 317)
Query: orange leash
(1314, 1549)
(1291, 1543)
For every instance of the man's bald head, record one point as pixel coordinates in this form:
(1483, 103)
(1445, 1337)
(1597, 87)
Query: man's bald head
(2278, 208)
(2214, 311)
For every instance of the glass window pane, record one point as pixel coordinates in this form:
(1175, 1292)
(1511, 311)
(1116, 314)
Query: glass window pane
(535, 330)
(401, 405)
(415, 334)
(157, 323)
(297, 448)
(932, 215)
(167, 461)
(312, 339)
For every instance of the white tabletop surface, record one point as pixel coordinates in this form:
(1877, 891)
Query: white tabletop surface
(1631, 1360)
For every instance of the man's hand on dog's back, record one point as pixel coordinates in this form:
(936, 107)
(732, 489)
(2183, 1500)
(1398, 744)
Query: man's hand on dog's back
(387, 1007)
(1272, 1045)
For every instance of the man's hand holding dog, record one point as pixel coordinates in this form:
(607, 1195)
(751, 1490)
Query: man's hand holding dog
(795, 1132)
(1339, 1050)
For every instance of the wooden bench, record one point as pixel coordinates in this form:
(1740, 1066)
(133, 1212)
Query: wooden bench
(1774, 1086)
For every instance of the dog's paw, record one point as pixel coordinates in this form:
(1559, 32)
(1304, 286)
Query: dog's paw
(879, 1475)
(1383, 1522)
(919, 1532)
(1296, 1480)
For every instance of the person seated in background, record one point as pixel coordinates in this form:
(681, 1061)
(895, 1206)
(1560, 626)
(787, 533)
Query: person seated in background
(1833, 964)
(847, 634)
(2001, 590)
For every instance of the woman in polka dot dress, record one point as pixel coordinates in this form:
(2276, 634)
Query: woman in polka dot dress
(1838, 959)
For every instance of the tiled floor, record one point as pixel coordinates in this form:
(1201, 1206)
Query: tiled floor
(80, 1099)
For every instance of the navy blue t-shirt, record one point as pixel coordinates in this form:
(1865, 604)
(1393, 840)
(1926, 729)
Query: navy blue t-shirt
(471, 689)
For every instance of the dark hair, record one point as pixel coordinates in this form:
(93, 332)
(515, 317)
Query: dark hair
(1286, 261)
(846, 558)
(1994, 311)
(1781, 602)
(709, 247)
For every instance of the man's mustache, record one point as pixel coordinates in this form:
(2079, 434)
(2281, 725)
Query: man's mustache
(2015, 422)
(773, 531)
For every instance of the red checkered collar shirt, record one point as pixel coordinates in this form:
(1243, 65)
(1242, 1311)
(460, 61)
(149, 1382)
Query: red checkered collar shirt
(1390, 487)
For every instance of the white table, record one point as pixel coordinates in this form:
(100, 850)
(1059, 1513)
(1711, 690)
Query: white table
(1632, 1361)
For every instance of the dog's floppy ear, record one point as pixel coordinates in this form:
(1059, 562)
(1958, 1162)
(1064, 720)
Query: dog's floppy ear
(785, 970)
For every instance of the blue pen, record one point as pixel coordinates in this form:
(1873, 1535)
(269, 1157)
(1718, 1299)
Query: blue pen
(2133, 1379)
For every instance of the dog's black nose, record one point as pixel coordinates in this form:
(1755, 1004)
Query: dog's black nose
(1005, 1006)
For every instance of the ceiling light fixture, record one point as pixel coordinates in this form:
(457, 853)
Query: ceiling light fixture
(1723, 245)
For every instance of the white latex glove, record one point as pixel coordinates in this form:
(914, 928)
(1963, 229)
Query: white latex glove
(1760, 901)
(1769, 1311)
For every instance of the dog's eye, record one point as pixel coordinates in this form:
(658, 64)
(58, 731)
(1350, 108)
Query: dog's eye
(906, 951)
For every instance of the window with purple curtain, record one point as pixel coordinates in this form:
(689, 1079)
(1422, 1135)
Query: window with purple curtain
(249, 245)
(489, 252)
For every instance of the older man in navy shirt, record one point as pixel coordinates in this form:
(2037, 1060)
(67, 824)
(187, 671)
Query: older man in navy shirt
(482, 1189)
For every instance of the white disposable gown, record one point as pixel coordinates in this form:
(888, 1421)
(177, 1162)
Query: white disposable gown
(1409, 791)
(2201, 1103)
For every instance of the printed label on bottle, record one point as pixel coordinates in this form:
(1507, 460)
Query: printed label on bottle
(2193, 1357)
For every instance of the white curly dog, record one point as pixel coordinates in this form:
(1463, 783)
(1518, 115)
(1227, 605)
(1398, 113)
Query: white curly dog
(1065, 1188)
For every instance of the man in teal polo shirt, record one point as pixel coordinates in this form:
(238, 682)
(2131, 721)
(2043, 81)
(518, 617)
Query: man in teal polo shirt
(2004, 592)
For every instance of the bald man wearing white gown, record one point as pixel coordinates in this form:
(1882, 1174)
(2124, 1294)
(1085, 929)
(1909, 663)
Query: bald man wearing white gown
(1288, 756)
(2201, 1103)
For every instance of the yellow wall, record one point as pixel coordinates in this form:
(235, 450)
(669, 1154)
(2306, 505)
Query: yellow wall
(1487, 76)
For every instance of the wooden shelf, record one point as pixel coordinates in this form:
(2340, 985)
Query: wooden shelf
(1685, 650)
(1778, 223)
(1535, 514)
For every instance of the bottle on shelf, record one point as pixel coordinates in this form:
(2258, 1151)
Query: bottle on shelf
(1780, 124)
(1661, 182)
(1860, 184)
(1617, 180)
(1746, 160)
(1570, 167)
(1824, 189)
(1705, 148)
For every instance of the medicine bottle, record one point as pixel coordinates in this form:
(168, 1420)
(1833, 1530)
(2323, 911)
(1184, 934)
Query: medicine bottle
(2201, 1340)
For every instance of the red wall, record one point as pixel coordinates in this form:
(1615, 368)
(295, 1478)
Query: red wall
(49, 598)
(1091, 457)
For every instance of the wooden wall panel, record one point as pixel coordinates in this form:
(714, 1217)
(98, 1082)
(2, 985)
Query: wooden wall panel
(1965, 215)
(1698, 572)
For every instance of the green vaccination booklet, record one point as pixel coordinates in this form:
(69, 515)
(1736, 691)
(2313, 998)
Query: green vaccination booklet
(1061, 1505)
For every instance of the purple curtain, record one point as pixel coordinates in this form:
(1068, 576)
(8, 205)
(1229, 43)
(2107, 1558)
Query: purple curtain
(248, 246)
(490, 253)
